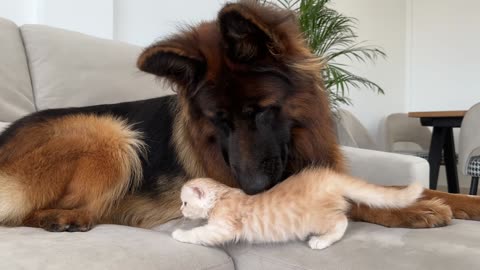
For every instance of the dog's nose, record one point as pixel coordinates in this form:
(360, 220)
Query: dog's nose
(256, 185)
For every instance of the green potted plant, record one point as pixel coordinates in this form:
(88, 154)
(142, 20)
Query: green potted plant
(331, 35)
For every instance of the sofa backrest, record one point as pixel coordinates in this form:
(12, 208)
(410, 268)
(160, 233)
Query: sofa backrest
(70, 69)
(16, 97)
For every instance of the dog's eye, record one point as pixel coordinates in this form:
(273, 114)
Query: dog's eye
(250, 111)
(221, 115)
(222, 121)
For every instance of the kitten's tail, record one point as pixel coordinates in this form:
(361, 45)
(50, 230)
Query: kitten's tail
(378, 196)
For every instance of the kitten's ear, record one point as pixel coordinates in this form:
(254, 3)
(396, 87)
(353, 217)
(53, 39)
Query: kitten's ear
(176, 58)
(198, 192)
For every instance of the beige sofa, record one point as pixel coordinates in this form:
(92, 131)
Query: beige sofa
(42, 67)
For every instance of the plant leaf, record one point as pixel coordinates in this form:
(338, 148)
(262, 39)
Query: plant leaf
(331, 35)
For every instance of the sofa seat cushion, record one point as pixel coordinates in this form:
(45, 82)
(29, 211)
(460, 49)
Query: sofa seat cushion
(16, 97)
(70, 69)
(104, 247)
(473, 168)
(367, 246)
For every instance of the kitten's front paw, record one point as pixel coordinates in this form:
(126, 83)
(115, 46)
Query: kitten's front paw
(318, 243)
(181, 236)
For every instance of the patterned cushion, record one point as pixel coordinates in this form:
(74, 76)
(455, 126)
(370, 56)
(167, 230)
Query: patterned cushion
(421, 154)
(424, 155)
(473, 167)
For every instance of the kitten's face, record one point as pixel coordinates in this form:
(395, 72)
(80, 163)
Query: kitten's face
(197, 200)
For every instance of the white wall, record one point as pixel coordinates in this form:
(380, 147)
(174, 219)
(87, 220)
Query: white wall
(19, 11)
(444, 61)
(94, 17)
(143, 21)
(381, 23)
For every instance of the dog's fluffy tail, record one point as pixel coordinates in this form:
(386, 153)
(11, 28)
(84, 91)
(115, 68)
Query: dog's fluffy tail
(14, 204)
(378, 196)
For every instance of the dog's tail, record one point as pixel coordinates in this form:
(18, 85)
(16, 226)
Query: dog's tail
(378, 196)
(14, 204)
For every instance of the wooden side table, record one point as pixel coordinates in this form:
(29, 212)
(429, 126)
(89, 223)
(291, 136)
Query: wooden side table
(443, 123)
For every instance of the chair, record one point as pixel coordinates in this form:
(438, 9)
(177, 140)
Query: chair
(469, 146)
(405, 135)
(351, 132)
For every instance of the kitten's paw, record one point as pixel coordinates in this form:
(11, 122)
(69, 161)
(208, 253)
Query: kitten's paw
(179, 235)
(182, 236)
(318, 243)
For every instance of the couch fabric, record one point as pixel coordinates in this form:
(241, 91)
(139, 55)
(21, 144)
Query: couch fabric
(70, 69)
(16, 96)
(367, 246)
(364, 246)
(105, 247)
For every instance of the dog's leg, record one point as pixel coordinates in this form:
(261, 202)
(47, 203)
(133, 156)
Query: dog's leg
(422, 214)
(463, 206)
(59, 220)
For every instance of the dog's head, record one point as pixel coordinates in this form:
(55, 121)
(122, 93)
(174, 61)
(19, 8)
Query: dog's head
(250, 91)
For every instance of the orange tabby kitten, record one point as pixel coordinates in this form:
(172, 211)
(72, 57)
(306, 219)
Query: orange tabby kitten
(310, 204)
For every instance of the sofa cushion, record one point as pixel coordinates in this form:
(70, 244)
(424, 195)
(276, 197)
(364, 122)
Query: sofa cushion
(3, 126)
(104, 247)
(473, 167)
(16, 98)
(368, 246)
(70, 69)
(384, 168)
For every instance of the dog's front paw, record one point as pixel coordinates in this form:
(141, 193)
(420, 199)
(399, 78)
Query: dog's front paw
(182, 236)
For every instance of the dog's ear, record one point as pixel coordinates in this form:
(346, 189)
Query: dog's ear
(175, 58)
(246, 33)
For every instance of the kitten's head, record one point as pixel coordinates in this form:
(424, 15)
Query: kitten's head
(199, 197)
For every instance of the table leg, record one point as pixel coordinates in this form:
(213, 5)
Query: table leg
(435, 154)
(451, 162)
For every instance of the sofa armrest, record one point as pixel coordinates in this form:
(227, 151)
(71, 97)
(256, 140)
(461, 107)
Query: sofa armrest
(386, 168)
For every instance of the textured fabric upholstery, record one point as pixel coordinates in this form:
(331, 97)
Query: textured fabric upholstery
(16, 98)
(367, 246)
(469, 142)
(70, 69)
(351, 132)
(104, 247)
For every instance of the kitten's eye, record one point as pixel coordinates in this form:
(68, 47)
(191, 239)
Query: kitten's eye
(184, 203)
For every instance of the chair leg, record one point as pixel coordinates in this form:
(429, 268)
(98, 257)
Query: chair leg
(474, 186)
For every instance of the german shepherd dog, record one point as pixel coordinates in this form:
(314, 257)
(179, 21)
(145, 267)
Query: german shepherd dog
(250, 111)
